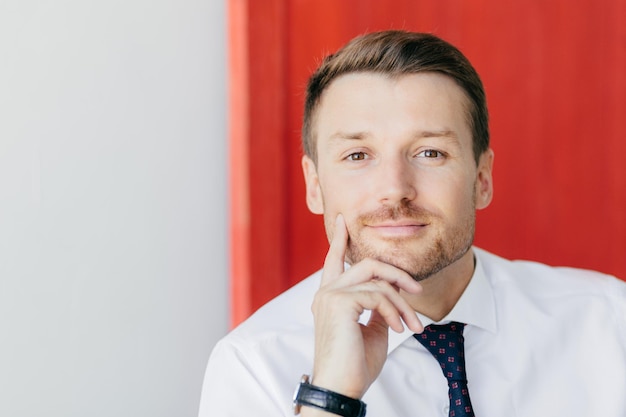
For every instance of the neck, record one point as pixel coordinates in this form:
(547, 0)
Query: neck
(442, 290)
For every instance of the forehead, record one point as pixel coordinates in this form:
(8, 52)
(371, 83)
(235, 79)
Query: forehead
(379, 104)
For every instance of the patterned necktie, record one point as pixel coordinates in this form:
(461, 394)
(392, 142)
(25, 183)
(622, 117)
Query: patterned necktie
(445, 343)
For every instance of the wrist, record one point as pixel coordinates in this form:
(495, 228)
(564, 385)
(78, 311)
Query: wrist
(339, 384)
(315, 412)
(324, 402)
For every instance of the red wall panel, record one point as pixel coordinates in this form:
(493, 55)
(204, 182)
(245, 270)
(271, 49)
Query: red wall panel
(555, 83)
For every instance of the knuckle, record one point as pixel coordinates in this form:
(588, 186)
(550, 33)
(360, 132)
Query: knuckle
(323, 298)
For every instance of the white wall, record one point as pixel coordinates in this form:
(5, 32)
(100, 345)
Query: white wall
(113, 263)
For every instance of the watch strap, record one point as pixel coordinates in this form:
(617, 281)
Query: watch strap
(330, 401)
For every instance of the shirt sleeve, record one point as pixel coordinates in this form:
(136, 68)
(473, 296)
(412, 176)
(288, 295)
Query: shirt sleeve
(234, 388)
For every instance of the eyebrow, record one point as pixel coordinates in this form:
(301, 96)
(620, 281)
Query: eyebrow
(444, 133)
(438, 133)
(350, 136)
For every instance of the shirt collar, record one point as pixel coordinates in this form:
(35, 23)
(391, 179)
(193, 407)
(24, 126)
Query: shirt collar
(476, 307)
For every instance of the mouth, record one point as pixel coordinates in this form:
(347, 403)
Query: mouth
(402, 228)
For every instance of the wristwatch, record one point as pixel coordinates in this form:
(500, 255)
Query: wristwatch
(332, 402)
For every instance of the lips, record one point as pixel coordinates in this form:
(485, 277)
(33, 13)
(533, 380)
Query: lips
(401, 221)
(397, 228)
(398, 223)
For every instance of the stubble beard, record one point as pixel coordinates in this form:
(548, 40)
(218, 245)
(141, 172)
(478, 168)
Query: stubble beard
(420, 257)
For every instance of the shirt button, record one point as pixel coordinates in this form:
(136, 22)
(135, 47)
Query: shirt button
(446, 410)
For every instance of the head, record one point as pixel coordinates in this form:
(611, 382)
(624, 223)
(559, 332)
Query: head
(396, 140)
(395, 53)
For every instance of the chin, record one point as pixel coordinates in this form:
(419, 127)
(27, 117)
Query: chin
(421, 264)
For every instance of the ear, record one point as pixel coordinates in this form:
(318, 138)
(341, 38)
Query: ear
(484, 180)
(314, 198)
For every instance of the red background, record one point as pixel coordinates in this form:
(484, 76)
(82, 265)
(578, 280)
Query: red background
(555, 78)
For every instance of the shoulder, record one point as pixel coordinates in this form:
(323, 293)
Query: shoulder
(545, 284)
(287, 313)
(498, 268)
(284, 324)
(560, 314)
(263, 357)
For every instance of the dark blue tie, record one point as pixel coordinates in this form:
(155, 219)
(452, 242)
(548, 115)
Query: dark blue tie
(445, 343)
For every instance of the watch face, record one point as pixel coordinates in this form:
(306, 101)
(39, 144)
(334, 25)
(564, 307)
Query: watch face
(296, 404)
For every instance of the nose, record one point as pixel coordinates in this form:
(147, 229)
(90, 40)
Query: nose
(396, 180)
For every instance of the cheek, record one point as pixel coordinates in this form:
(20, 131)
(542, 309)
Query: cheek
(447, 196)
(465, 201)
(342, 195)
(343, 198)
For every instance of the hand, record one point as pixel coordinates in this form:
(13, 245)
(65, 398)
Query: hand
(348, 355)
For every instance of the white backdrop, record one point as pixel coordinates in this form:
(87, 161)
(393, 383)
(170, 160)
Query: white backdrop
(113, 205)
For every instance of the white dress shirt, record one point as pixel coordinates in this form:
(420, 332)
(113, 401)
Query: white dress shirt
(539, 341)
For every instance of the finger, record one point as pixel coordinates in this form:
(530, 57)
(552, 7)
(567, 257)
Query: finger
(370, 269)
(388, 308)
(335, 258)
(399, 309)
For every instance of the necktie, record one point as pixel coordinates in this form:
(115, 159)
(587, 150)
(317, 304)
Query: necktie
(445, 343)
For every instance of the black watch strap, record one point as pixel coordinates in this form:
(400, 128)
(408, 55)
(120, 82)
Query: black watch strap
(332, 402)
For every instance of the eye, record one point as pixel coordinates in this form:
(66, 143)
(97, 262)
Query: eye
(357, 156)
(431, 154)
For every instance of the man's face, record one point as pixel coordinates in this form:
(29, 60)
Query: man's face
(395, 159)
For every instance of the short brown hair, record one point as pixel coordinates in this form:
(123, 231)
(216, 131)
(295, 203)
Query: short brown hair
(396, 53)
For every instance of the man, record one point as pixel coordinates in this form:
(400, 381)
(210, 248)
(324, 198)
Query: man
(397, 160)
